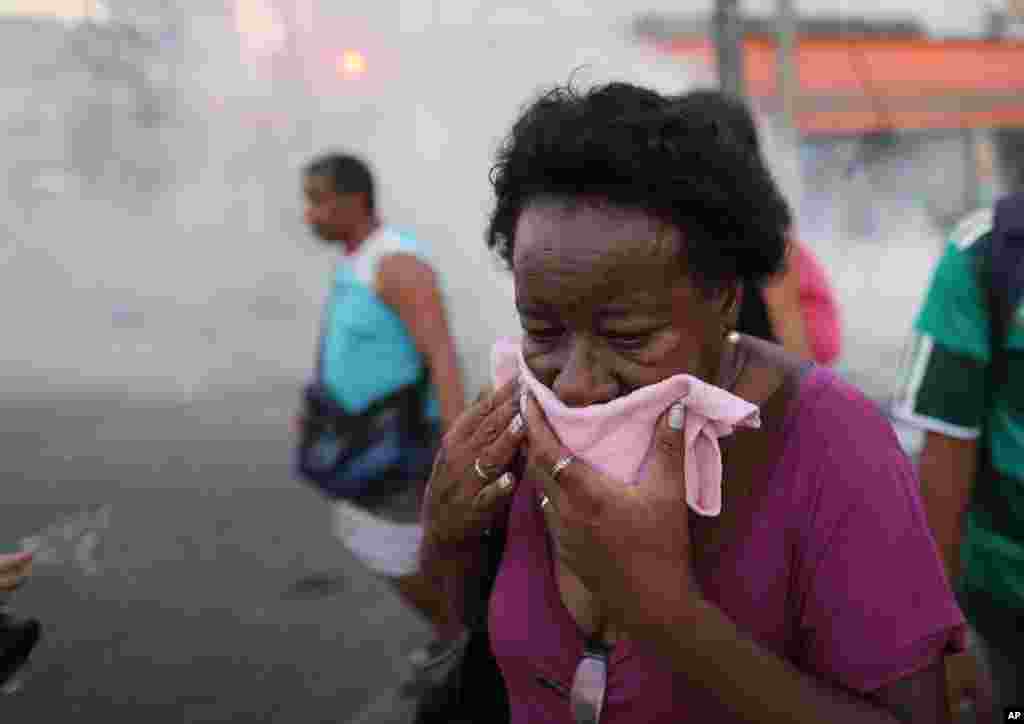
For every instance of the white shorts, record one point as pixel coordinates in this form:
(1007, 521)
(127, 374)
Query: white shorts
(385, 547)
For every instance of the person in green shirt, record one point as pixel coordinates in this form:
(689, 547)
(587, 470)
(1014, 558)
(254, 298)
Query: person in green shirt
(976, 512)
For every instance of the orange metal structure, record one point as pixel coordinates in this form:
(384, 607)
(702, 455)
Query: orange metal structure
(859, 85)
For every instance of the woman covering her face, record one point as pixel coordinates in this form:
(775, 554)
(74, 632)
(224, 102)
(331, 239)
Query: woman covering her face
(815, 594)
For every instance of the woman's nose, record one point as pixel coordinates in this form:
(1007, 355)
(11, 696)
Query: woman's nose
(581, 381)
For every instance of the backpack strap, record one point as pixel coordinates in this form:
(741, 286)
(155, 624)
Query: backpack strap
(1001, 275)
(1003, 281)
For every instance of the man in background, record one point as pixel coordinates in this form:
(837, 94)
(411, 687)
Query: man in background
(965, 388)
(393, 273)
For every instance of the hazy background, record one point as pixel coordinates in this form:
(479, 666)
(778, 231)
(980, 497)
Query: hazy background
(152, 238)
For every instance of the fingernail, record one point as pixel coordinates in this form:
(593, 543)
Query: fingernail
(676, 415)
(517, 423)
(505, 481)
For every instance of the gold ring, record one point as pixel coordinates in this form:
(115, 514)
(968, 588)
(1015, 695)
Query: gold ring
(544, 502)
(561, 465)
(480, 471)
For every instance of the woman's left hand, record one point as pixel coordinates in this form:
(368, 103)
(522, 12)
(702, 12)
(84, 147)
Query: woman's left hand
(628, 544)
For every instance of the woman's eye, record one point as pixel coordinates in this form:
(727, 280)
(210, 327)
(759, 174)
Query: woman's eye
(545, 334)
(629, 341)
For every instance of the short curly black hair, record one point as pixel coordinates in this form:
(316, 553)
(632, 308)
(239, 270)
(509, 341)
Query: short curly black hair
(726, 108)
(629, 147)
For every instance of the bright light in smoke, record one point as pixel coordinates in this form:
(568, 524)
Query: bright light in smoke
(352, 63)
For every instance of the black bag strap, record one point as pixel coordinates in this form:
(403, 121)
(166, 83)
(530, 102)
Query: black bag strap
(1003, 281)
(1001, 274)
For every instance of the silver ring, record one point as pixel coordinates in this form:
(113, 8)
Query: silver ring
(480, 471)
(561, 465)
(544, 502)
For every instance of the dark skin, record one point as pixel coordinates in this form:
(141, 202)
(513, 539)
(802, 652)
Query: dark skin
(607, 307)
(600, 323)
(340, 218)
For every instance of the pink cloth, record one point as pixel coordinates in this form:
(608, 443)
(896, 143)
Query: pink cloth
(818, 306)
(615, 437)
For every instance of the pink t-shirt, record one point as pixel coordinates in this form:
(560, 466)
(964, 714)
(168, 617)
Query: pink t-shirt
(839, 575)
(818, 307)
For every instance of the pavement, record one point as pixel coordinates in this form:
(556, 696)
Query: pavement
(192, 615)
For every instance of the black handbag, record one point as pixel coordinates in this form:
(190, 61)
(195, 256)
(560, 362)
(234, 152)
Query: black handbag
(373, 453)
(352, 456)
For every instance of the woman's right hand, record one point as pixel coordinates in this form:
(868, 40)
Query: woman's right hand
(460, 503)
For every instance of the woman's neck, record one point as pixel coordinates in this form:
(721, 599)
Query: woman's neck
(732, 363)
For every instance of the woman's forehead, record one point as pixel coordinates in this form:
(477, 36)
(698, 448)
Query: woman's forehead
(558, 238)
(591, 229)
(590, 258)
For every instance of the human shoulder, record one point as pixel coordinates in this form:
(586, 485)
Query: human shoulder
(861, 505)
(400, 260)
(954, 312)
(826, 433)
(837, 422)
(973, 228)
(407, 282)
(392, 241)
(404, 270)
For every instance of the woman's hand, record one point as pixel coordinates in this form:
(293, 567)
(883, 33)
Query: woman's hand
(14, 570)
(628, 544)
(462, 502)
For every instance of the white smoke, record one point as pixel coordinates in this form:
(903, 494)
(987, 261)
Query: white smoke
(181, 263)
(166, 260)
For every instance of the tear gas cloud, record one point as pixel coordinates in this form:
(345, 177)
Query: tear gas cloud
(154, 236)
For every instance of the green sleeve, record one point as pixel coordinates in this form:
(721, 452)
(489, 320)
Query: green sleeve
(954, 312)
(944, 379)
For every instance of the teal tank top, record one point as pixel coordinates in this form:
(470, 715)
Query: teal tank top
(367, 350)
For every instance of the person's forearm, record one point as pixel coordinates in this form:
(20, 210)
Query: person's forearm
(447, 379)
(449, 569)
(409, 287)
(946, 470)
(754, 684)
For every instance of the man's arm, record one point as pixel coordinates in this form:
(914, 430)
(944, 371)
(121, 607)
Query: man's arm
(947, 470)
(409, 286)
